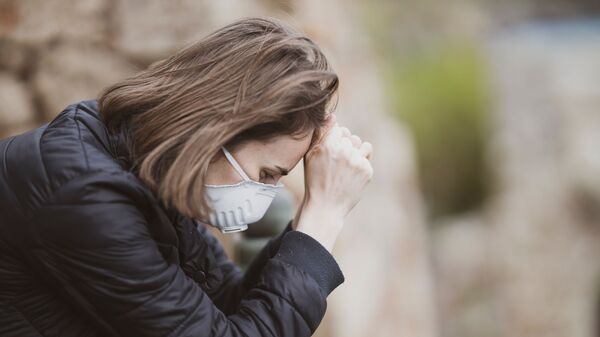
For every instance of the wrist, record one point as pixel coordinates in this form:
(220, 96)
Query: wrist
(323, 206)
(322, 223)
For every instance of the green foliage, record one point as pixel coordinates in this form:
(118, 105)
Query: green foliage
(441, 94)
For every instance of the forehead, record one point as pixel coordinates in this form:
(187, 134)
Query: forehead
(283, 150)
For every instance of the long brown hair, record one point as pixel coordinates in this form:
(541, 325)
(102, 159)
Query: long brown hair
(255, 78)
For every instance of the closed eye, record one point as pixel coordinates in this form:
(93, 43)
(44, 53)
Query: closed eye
(267, 178)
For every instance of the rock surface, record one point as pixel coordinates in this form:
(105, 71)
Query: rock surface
(16, 110)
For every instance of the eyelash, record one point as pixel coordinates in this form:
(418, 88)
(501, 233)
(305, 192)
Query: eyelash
(266, 175)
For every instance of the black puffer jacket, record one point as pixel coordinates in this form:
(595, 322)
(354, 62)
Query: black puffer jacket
(86, 250)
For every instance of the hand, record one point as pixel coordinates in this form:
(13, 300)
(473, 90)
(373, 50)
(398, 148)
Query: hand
(336, 171)
(331, 121)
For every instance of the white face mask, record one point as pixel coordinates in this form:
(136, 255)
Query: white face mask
(237, 205)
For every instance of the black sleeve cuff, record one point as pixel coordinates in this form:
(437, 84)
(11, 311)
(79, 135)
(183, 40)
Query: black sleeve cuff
(304, 251)
(275, 242)
(268, 251)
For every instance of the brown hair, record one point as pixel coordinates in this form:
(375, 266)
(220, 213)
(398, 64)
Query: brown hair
(252, 79)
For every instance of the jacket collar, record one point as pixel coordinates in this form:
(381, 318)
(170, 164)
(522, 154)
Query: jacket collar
(120, 149)
(114, 142)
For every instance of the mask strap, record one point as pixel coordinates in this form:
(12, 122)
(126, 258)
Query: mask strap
(235, 164)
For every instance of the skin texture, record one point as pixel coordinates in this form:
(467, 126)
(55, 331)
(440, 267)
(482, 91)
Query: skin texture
(259, 160)
(336, 172)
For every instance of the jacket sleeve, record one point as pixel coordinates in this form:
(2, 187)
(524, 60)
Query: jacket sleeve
(92, 237)
(235, 281)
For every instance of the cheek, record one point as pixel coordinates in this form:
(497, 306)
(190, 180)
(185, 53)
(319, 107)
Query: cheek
(218, 174)
(250, 164)
(222, 172)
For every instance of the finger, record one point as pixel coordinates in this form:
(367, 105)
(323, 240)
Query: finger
(356, 159)
(346, 146)
(362, 163)
(345, 131)
(366, 150)
(345, 141)
(333, 136)
(356, 141)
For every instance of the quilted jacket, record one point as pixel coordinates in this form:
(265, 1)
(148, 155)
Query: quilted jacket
(87, 250)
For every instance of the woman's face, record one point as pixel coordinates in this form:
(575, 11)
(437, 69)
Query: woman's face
(265, 162)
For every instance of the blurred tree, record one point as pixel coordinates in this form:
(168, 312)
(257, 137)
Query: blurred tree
(436, 84)
(440, 93)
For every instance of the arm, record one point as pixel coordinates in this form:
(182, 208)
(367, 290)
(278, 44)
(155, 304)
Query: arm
(235, 282)
(92, 238)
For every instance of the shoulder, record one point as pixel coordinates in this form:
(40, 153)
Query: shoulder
(76, 142)
(94, 209)
(100, 187)
(74, 147)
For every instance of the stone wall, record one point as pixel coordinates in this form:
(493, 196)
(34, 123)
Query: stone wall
(53, 53)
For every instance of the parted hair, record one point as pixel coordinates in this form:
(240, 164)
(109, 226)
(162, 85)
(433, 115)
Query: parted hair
(253, 79)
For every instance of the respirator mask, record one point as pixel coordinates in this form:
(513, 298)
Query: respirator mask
(237, 205)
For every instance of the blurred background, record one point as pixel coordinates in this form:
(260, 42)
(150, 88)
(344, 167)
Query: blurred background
(483, 216)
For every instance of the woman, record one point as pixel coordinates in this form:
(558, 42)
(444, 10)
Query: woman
(104, 210)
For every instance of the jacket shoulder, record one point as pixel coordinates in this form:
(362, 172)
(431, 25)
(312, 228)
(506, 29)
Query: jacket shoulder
(76, 142)
(38, 162)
